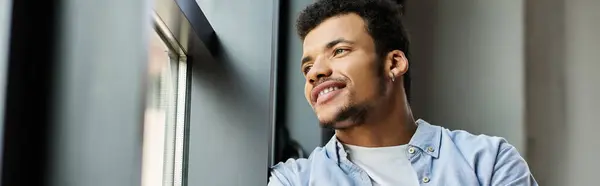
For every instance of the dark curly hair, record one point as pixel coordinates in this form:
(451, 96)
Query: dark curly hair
(382, 19)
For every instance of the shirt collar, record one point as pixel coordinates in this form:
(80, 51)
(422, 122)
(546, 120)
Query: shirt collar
(427, 138)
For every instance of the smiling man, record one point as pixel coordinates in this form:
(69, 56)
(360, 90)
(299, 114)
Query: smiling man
(356, 69)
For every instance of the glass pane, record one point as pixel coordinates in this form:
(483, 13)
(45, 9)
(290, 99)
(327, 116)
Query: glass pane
(180, 135)
(160, 115)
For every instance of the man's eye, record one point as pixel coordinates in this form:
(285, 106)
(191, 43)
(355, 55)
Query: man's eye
(339, 51)
(306, 69)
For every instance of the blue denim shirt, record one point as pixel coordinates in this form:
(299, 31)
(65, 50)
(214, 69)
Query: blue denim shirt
(438, 155)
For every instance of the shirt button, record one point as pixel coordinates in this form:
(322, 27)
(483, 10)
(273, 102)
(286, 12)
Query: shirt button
(430, 149)
(411, 150)
(425, 179)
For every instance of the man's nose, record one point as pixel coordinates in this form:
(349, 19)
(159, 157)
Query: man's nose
(320, 69)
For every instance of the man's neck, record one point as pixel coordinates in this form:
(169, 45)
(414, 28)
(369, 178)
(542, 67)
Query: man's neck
(394, 126)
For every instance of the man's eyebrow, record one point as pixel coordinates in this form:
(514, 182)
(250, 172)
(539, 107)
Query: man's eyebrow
(329, 45)
(306, 59)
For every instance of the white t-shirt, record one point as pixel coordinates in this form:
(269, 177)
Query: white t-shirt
(385, 165)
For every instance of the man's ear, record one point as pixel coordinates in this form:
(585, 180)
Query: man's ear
(396, 63)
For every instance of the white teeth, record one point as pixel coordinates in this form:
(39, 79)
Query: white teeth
(327, 90)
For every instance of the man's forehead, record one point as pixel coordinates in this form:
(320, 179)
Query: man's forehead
(348, 26)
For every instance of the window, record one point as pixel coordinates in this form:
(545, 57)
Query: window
(164, 122)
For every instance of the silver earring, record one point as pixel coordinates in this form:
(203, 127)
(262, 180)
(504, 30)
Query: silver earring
(392, 76)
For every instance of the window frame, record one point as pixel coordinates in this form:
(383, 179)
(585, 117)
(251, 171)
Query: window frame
(194, 41)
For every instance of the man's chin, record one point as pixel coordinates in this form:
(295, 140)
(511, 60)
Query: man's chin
(333, 121)
(327, 113)
(325, 120)
(340, 118)
(336, 124)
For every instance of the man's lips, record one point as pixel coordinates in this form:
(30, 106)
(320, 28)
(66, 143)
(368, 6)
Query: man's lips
(314, 94)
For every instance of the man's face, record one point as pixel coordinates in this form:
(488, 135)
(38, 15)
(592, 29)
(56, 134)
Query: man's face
(343, 73)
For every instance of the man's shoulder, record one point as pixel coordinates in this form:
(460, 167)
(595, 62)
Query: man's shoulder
(295, 170)
(492, 157)
(292, 165)
(439, 136)
(299, 165)
(465, 138)
(479, 147)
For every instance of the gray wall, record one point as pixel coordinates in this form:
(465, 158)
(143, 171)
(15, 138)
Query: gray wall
(582, 91)
(546, 90)
(468, 64)
(230, 106)
(300, 118)
(96, 134)
(562, 91)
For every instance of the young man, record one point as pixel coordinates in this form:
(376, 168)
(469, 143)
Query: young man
(355, 64)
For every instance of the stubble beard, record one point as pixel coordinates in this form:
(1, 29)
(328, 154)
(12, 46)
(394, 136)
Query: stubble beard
(353, 113)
